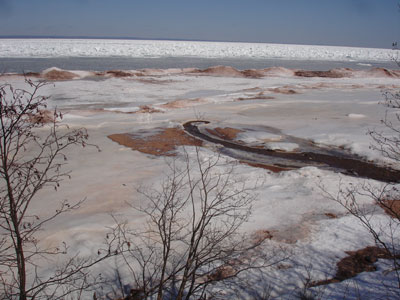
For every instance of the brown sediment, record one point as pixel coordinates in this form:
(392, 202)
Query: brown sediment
(119, 73)
(259, 96)
(182, 103)
(42, 117)
(147, 109)
(284, 90)
(273, 168)
(355, 263)
(388, 86)
(230, 71)
(226, 133)
(391, 207)
(220, 71)
(346, 72)
(59, 75)
(28, 74)
(143, 109)
(381, 72)
(356, 86)
(221, 273)
(162, 143)
(331, 215)
(278, 71)
(261, 235)
(253, 73)
(227, 71)
(284, 266)
(334, 73)
(32, 74)
(99, 73)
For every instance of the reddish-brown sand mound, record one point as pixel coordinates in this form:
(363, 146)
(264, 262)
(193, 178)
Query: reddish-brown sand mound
(59, 75)
(161, 143)
(283, 90)
(391, 207)
(143, 109)
(31, 74)
(147, 109)
(331, 215)
(42, 117)
(259, 96)
(119, 73)
(381, 72)
(221, 71)
(261, 235)
(253, 73)
(231, 72)
(355, 263)
(334, 73)
(226, 133)
(278, 71)
(183, 103)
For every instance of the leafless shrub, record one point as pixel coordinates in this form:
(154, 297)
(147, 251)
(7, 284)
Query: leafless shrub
(387, 141)
(32, 157)
(192, 241)
(385, 231)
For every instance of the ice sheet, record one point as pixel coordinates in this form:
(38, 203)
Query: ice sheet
(155, 48)
(290, 204)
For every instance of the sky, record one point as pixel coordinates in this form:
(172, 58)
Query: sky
(360, 23)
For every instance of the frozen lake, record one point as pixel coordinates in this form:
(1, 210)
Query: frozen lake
(274, 109)
(34, 55)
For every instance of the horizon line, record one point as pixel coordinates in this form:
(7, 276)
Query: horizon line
(77, 37)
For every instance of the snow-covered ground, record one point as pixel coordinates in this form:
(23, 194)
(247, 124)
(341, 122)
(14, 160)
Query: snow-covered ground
(153, 48)
(290, 204)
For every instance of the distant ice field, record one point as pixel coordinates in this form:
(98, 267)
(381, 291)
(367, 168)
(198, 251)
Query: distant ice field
(24, 55)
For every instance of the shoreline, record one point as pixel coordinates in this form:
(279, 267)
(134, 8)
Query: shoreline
(34, 64)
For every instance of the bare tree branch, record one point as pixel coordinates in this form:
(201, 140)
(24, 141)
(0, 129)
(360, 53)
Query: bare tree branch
(192, 241)
(32, 152)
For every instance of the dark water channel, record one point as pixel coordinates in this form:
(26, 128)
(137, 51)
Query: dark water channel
(310, 154)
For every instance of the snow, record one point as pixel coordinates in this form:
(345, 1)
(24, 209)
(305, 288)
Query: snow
(257, 136)
(156, 48)
(356, 116)
(282, 146)
(329, 112)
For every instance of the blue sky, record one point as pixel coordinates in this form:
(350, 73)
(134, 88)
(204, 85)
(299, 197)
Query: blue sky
(364, 23)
